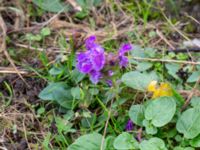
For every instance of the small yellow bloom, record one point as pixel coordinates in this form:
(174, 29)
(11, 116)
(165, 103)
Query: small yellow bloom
(152, 86)
(164, 89)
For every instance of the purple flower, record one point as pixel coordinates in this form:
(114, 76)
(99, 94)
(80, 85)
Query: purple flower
(123, 60)
(92, 61)
(129, 125)
(95, 76)
(109, 82)
(110, 73)
(124, 48)
(90, 42)
(110, 58)
(97, 59)
(84, 64)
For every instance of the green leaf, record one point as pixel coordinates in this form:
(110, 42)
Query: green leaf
(195, 101)
(40, 111)
(32, 37)
(195, 142)
(172, 69)
(160, 111)
(138, 52)
(76, 92)
(143, 66)
(45, 31)
(149, 128)
(189, 123)
(194, 77)
(77, 76)
(153, 144)
(82, 14)
(59, 92)
(109, 143)
(125, 141)
(56, 70)
(87, 142)
(51, 5)
(63, 125)
(150, 52)
(88, 4)
(137, 80)
(136, 114)
(93, 91)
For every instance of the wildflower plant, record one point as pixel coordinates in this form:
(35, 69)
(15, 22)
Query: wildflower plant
(101, 105)
(94, 60)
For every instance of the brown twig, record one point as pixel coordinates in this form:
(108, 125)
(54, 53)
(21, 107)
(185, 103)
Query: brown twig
(191, 95)
(3, 48)
(166, 60)
(164, 39)
(9, 70)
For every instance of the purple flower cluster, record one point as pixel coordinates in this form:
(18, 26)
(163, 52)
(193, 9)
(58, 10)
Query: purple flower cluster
(93, 60)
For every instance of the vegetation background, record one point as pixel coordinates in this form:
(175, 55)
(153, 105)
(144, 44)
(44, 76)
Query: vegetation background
(39, 40)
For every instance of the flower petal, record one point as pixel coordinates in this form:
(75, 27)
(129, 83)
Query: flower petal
(123, 61)
(90, 42)
(98, 60)
(125, 48)
(95, 76)
(129, 125)
(84, 64)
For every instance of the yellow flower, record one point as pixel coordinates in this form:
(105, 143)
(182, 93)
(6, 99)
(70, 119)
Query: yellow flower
(164, 89)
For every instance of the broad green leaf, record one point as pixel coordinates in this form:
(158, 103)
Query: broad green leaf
(150, 52)
(136, 114)
(51, 5)
(88, 4)
(125, 141)
(59, 92)
(160, 111)
(194, 77)
(143, 66)
(93, 91)
(195, 101)
(87, 142)
(137, 80)
(77, 76)
(153, 144)
(195, 142)
(189, 123)
(173, 69)
(76, 92)
(138, 52)
(149, 128)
